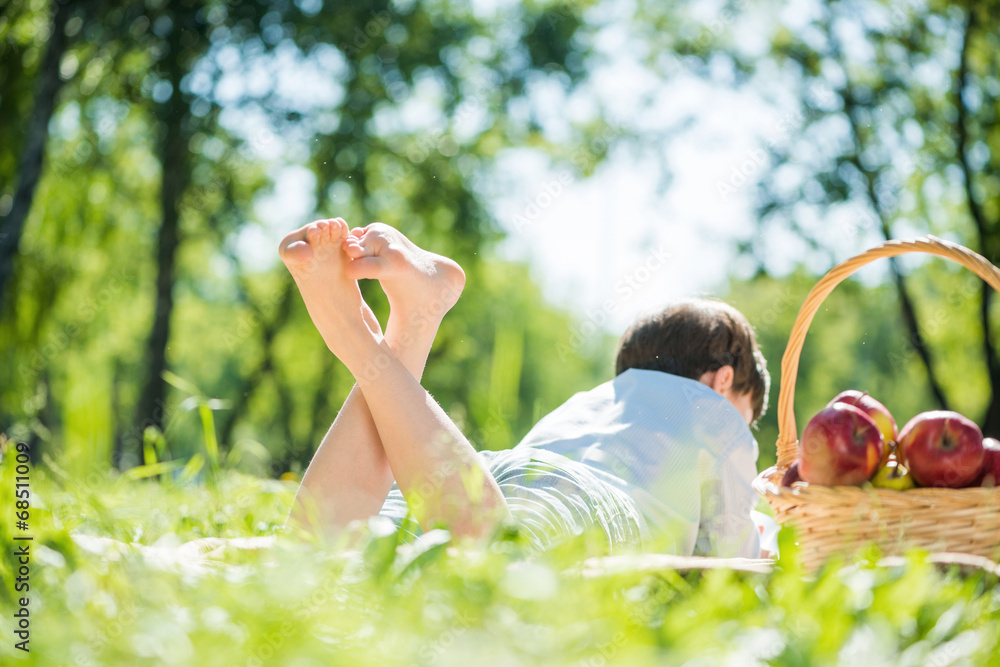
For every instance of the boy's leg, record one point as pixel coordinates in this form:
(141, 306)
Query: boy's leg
(350, 474)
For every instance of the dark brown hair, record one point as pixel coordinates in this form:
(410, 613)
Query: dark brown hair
(694, 337)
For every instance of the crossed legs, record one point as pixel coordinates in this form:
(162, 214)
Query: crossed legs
(389, 428)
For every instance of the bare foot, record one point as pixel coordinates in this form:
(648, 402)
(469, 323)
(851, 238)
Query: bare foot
(315, 256)
(420, 285)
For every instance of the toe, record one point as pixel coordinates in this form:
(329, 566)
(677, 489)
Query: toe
(338, 228)
(294, 248)
(372, 243)
(293, 237)
(366, 267)
(296, 252)
(353, 248)
(315, 233)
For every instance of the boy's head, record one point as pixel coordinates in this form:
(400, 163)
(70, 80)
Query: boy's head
(699, 339)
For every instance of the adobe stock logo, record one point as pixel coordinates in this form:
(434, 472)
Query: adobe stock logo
(625, 288)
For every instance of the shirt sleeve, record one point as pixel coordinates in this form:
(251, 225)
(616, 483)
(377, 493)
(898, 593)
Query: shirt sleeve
(726, 528)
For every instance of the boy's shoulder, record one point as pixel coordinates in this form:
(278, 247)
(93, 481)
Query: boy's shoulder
(643, 406)
(682, 407)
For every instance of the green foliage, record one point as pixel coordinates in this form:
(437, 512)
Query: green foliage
(75, 333)
(255, 387)
(433, 602)
(886, 127)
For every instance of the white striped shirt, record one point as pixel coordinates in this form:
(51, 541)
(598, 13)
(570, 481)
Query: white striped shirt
(678, 449)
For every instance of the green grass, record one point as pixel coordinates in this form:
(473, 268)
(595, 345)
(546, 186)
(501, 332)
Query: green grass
(433, 603)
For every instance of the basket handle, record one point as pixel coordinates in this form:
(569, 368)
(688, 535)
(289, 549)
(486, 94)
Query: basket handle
(788, 442)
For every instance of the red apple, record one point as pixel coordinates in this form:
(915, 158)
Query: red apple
(791, 475)
(942, 448)
(990, 476)
(841, 445)
(874, 409)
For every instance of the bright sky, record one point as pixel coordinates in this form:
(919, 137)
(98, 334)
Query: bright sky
(602, 238)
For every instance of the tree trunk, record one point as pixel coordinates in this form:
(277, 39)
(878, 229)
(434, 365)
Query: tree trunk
(985, 228)
(269, 329)
(151, 409)
(991, 420)
(907, 309)
(33, 155)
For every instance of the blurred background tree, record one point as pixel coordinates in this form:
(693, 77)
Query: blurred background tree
(903, 99)
(142, 144)
(164, 117)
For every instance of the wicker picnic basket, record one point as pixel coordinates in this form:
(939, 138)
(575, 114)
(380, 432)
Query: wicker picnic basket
(840, 520)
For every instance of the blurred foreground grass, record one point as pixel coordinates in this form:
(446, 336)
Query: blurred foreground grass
(428, 603)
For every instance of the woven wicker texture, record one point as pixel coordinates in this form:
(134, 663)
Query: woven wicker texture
(842, 519)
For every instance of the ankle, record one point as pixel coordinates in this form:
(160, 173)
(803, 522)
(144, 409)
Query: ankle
(351, 342)
(411, 328)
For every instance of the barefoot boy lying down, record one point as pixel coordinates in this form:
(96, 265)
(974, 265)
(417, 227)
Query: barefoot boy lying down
(661, 456)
